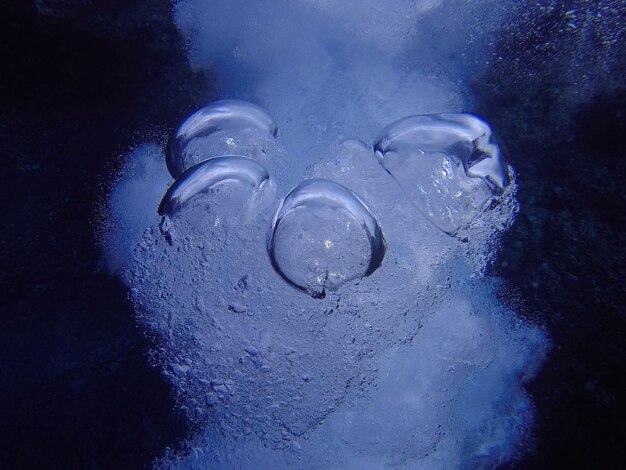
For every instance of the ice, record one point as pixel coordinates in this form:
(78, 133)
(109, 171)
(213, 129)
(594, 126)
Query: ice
(245, 121)
(323, 235)
(448, 164)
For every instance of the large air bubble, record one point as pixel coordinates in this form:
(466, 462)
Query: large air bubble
(235, 127)
(449, 165)
(324, 235)
(226, 188)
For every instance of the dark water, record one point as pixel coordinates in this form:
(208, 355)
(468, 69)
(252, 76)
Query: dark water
(76, 390)
(81, 86)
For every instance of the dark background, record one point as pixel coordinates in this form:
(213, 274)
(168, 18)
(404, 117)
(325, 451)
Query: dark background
(82, 81)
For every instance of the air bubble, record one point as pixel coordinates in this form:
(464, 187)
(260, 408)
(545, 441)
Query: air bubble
(449, 165)
(238, 183)
(324, 235)
(237, 127)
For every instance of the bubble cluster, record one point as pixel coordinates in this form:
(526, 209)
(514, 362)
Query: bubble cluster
(323, 234)
(390, 332)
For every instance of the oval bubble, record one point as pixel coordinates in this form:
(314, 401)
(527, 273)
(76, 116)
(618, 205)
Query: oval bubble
(324, 235)
(210, 173)
(215, 117)
(449, 165)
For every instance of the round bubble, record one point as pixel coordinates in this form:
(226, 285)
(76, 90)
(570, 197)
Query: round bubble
(324, 235)
(449, 165)
(238, 127)
(242, 181)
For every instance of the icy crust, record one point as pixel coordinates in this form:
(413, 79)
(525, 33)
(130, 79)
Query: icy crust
(241, 117)
(449, 165)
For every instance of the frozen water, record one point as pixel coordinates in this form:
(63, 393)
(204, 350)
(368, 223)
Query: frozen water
(246, 121)
(388, 367)
(324, 235)
(448, 164)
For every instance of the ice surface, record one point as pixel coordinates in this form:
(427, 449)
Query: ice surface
(448, 164)
(233, 115)
(387, 368)
(324, 235)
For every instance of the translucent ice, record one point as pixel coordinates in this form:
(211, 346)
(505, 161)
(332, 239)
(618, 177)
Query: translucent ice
(246, 121)
(323, 235)
(448, 165)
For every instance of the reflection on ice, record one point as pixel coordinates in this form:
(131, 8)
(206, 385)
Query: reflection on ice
(227, 115)
(448, 165)
(204, 176)
(323, 235)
